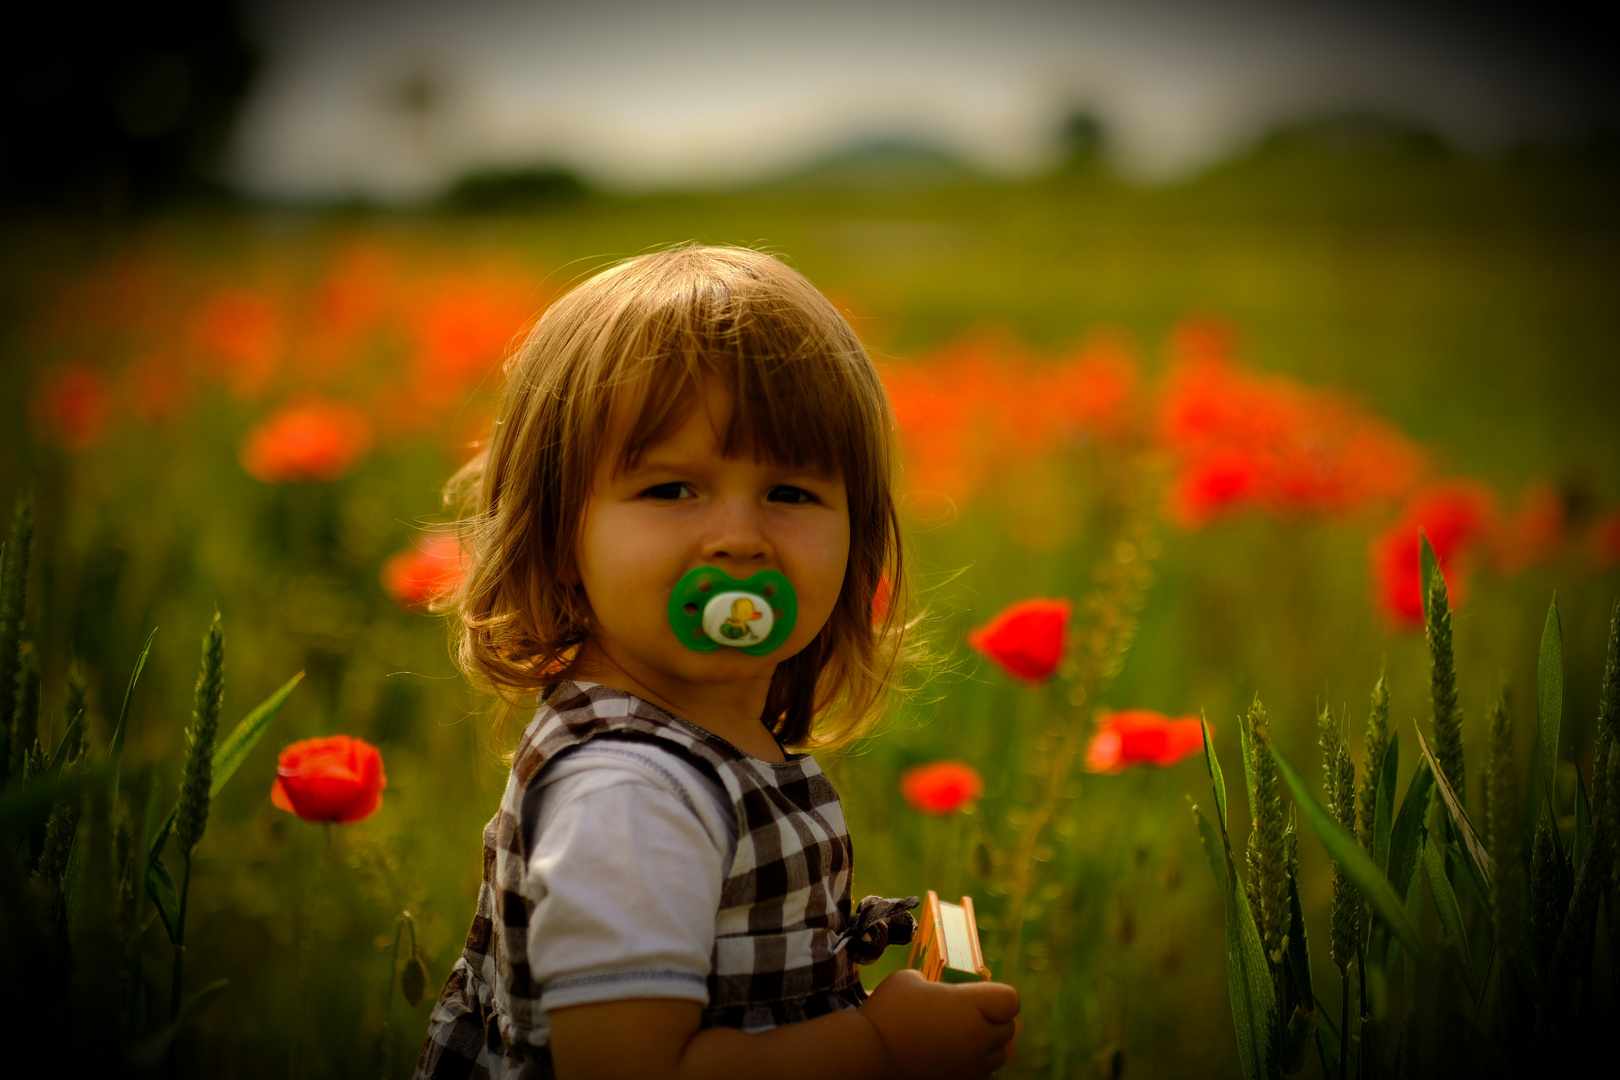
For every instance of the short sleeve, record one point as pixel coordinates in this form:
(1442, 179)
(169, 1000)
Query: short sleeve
(630, 847)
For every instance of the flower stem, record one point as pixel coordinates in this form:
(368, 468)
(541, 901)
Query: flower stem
(306, 933)
(1107, 627)
(177, 977)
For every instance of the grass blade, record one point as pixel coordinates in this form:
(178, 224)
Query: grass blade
(1351, 860)
(1254, 1007)
(1463, 867)
(240, 742)
(1327, 1039)
(115, 749)
(234, 750)
(59, 758)
(160, 887)
(1411, 827)
(148, 1054)
(1299, 948)
(1211, 844)
(1213, 764)
(1445, 902)
(134, 955)
(1473, 846)
(1550, 697)
(1384, 817)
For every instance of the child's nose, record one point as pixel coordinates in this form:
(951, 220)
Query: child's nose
(736, 537)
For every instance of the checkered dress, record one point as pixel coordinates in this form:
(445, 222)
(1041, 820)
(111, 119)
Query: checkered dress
(784, 908)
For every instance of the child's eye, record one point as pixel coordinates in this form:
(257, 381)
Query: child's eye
(673, 490)
(789, 494)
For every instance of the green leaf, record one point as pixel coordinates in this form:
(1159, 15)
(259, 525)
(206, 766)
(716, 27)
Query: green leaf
(1327, 1039)
(1550, 698)
(240, 742)
(1473, 846)
(1248, 979)
(149, 1054)
(1384, 806)
(1430, 566)
(1213, 764)
(234, 750)
(1463, 867)
(1583, 824)
(133, 953)
(1445, 902)
(1354, 863)
(1211, 844)
(59, 758)
(115, 749)
(160, 887)
(1299, 949)
(1411, 826)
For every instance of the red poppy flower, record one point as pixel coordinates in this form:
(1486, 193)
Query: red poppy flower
(427, 572)
(941, 787)
(1142, 737)
(336, 778)
(1456, 516)
(314, 440)
(71, 405)
(1026, 639)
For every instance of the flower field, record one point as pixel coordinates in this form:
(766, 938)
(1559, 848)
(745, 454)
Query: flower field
(1164, 451)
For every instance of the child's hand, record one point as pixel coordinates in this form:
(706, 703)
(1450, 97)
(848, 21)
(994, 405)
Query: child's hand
(942, 1031)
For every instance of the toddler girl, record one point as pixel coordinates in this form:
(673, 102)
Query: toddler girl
(682, 519)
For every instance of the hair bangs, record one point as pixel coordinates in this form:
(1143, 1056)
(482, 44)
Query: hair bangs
(797, 395)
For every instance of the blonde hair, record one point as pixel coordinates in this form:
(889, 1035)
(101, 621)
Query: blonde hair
(633, 345)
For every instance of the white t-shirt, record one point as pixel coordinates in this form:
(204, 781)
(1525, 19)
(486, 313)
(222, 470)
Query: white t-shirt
(632, 844)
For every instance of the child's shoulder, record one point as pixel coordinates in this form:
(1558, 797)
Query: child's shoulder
(577, 713)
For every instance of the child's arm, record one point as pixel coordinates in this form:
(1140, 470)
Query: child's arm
(908, 1028)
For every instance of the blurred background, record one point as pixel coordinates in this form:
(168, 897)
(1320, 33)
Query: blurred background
(1301, 278)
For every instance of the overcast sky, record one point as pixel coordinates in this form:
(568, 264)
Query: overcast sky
(394, 98)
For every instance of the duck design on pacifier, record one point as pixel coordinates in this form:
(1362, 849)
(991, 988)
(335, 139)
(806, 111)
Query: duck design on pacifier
(709, 609)
(737, 627)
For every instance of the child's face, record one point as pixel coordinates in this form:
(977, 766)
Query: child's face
(686, 505)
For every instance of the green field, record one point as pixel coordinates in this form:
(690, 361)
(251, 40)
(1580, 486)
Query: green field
(1470, 304)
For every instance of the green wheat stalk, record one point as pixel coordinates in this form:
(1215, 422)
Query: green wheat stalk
(1572, 962)
(191, 815)
(1267, 857)
(1446, 715)
(78, 694)
(1375, 746)
(1546, 900)
(25, 712)
(1502, 829)
(1339, 781)
(13, 608)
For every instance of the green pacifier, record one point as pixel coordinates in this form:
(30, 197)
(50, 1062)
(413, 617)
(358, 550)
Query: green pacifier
(710, 608)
